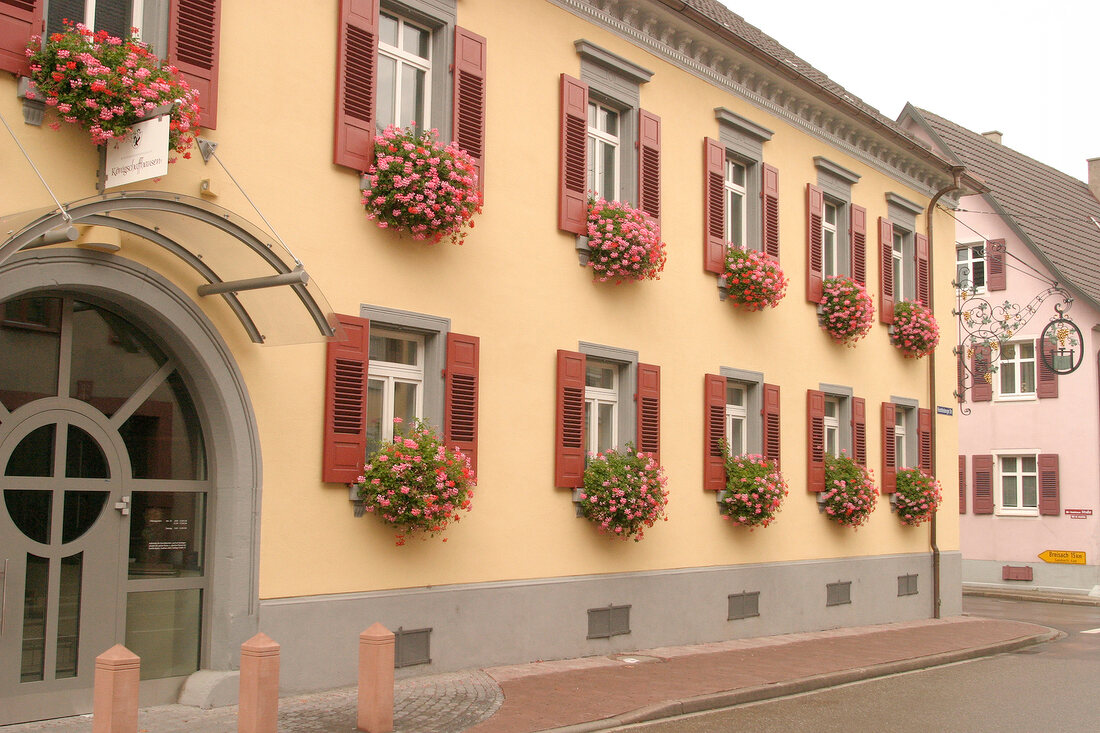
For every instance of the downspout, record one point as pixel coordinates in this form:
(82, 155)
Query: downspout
(957, 173)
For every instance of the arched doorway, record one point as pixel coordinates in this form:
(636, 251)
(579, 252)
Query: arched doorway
(129, 477)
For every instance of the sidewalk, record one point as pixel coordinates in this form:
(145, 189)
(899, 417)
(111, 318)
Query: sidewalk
(596, 693)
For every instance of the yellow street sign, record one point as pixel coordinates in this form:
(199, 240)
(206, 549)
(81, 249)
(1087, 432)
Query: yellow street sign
(1071, 557)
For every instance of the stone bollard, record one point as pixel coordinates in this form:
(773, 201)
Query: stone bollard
(259, 697)
(115, 697)
(376, 646)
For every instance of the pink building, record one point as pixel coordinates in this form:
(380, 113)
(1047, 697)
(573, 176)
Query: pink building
(1029, 438)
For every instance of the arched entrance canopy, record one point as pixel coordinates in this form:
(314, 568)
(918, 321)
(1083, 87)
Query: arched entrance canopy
(262, 283)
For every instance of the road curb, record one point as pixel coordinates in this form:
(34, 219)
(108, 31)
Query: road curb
(729, 698)
(1034, 596)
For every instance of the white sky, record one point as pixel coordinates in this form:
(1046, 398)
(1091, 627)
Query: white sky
(1028, 69)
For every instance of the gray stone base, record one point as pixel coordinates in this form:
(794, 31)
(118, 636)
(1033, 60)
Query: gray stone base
(488, 624)
(1047, 577)
(210, 689)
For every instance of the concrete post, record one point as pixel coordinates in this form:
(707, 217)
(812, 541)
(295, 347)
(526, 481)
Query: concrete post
(376, 646)
(259, 696)
(115, 697)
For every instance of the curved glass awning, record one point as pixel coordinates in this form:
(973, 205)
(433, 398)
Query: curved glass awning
(266, 287)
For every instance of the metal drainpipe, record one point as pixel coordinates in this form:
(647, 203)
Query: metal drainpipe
(957, 172)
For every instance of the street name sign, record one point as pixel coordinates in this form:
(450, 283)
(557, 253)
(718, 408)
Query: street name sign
(1066, 557)
(1078, 513)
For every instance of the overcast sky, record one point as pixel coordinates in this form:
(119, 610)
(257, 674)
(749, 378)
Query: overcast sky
(1028, 69)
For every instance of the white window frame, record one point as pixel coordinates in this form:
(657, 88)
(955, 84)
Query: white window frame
(897, 249)
(969, 261)
(737, 414)
(830, 261)
(597, 137)
(999, 475)
(902, 420)
(402, 58)
(732, 189)
(137, 20)
(390, 373)
(832, 425)
(1018, 362)
(594, 397)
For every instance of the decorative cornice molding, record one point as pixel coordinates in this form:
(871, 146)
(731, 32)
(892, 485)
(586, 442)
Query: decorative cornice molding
(624, 67)
(836, 170)
(664, 33)
(743, 125)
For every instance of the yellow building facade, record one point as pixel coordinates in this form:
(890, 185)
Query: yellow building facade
(174, 440)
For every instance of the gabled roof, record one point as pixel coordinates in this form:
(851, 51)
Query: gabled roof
(1051, 211)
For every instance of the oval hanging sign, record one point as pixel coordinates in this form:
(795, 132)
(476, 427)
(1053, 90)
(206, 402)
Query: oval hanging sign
(1060, 346)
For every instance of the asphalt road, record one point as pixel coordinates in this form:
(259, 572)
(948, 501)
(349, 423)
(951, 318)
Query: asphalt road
(1047, 688)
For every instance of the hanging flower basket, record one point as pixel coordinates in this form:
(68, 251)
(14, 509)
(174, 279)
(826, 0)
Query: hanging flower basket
(755, 490)
(106, 84)
(624, 243)
(422, 187)
(624, 493)
(917, 497)
(915, 332)
(416, 484)
(754, 280)
(847, 311)
(850, 495)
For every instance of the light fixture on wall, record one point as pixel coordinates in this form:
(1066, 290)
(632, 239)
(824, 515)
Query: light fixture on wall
(101, 239)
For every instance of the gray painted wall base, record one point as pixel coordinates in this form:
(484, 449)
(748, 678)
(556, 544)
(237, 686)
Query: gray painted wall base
(211, 689)
(487, 624)
(1056, 577)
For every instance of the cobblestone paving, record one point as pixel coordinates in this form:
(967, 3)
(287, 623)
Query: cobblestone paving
(445, 703)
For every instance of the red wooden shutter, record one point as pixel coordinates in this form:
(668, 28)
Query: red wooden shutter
(886, 270)
(193, 47)
(573, 198)
(460, 394)
(924, 440)
(714, 430)
(924, 294)
(649, 164)
(815, 215)
(815, 418)
(356, 70)
(859, 430)
(996, 273)
(469, 105)
(1046, 383)
(345, 444)
(983, 484)
(858, 236)
(19, 20)
(769, 194)
(962, 484)
(714, 206)
(889, 454)
(770, 415)
(569, 430)
(981, 379)
(649, 410)
(1049, 504)
(960, 376)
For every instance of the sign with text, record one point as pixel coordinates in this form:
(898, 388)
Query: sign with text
(1064, 557)
(941, 410)
(1078, 513)
(141, 155)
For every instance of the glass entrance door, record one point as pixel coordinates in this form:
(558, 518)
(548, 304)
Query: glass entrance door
(103, 506)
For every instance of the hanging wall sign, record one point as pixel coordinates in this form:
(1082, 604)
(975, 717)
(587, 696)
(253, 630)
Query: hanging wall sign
(1060, 345)
(141, 155)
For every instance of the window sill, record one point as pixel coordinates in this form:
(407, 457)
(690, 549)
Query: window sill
(583, 250)
(1029, 397)
(33, 109)
(998, 511)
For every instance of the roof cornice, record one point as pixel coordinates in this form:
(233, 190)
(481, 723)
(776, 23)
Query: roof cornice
(689, 39)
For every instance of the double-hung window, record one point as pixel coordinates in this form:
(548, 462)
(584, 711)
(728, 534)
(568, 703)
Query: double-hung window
(603, 150)
(610, 146)
(906, 439)
(736, 200)
(837, 423)
(1017, 369)
(904, 263)
(1018, 484)
(395, 387)
(404, 73)
(741, 206)
(835, 228)
(899, 248)
(970, 267)
(901, 432)
(606, 400)
(601, 406)
(741, 412)
(116, 17)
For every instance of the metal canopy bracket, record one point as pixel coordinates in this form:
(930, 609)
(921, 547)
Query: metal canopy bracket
(206, 149)
(296, 277)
